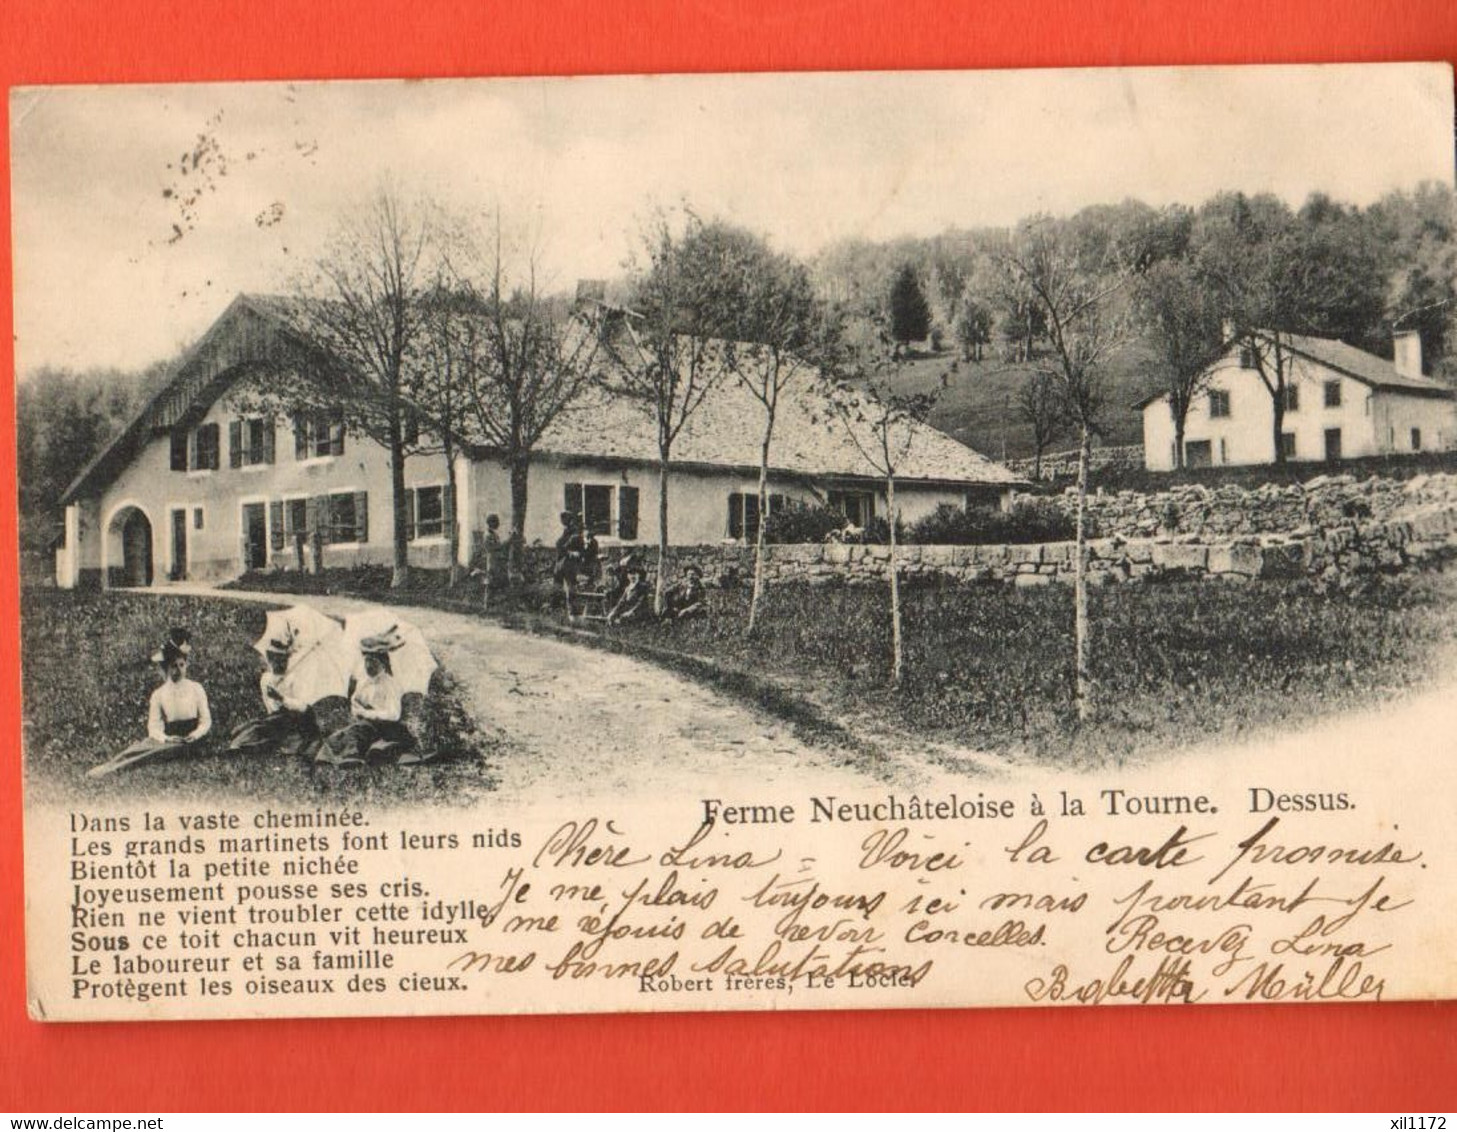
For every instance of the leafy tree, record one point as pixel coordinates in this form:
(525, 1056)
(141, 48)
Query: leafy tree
(973, 326)
(1075, 289)
(910, 314)
(1181, 320)
(1277, 275)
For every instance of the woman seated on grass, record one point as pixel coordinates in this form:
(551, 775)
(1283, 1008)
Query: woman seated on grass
(375, 706)
(687, 598)
(178, 717)
(636, 601)
(289, 725)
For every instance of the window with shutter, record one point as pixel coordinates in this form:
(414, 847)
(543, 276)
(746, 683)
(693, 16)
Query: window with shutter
(179, 450)
(572, 500)
(449, 507)
(319, 518)
(410, 505)
(597, 508)
(343, 523)
(270, 440)
(361, 517)
(429, 512)
(235, 444)
(275, 525)
(206, 443)
(627, 514)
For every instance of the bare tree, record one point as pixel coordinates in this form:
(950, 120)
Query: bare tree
(775, 333)
(525, 361)
(360, 316)
(884, 423)
(1075, 297)
(670, 355)
(1040, 404)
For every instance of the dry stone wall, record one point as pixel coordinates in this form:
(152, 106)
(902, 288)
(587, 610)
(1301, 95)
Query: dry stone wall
(1334, 530)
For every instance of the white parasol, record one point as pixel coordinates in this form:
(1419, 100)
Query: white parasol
(319, 662)
(411, 661)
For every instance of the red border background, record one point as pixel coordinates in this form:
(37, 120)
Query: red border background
(1400, 1058)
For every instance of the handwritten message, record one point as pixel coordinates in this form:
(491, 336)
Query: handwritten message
(1068, 897)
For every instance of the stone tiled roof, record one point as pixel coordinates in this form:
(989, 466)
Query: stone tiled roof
(811, 438)
(1367, 368)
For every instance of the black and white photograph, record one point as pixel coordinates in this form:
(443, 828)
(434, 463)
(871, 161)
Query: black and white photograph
(738, 541)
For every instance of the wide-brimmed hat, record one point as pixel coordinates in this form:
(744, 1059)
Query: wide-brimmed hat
(178, 644)
(382, 644)
(693, 568)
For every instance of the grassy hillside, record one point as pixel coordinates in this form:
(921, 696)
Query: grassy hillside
(979, 406)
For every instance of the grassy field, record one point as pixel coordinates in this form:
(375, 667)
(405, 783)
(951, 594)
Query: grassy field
(87, 679)
(990, 667)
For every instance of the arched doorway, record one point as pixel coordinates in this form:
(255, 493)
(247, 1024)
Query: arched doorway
(129, 546)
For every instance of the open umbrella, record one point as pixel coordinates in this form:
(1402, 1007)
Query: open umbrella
(319, 662)
(411, 660)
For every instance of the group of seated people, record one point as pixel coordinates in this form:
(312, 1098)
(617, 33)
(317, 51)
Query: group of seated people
(626, 593)
(179, 717)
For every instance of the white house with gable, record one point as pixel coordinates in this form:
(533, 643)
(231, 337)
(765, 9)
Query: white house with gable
(1341, 402)
(199, 486)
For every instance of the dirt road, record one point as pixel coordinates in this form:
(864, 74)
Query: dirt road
(581, 722)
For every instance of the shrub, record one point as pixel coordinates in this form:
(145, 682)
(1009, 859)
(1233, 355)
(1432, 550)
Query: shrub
(950, 525)
(802, 522)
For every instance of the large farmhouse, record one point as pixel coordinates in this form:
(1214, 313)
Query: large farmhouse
(199, 487)
(1340, 402)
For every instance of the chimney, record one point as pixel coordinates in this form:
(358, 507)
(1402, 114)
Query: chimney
(1407, 345)
(1226, 330)
(591, 291)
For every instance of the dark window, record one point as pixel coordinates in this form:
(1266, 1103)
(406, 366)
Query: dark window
(743, 516)
(1292, 398)
(1332, 444)
(1287, 445)
(197, 518)
(1416, 440)
(319, 434)
(206, 448)
(179, 450)
(592, 505)
(597, 508)
(858, 507)
(1246, 358)
(343, 521)
(429, 512)
(1198, 453)
(251, 443)
(1218, 403)
(1332, 394)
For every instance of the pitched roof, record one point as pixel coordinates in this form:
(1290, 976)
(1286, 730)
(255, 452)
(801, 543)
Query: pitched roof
(1332, 353)
(249, 330)
(810, 438)
(1366, 368)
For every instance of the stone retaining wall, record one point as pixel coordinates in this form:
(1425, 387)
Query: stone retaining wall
(1323, 502)
(1421, 537)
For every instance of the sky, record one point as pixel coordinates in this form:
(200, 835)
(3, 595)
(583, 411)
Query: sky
(117, 265)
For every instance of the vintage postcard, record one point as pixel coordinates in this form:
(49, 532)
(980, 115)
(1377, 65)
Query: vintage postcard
(738, 542)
